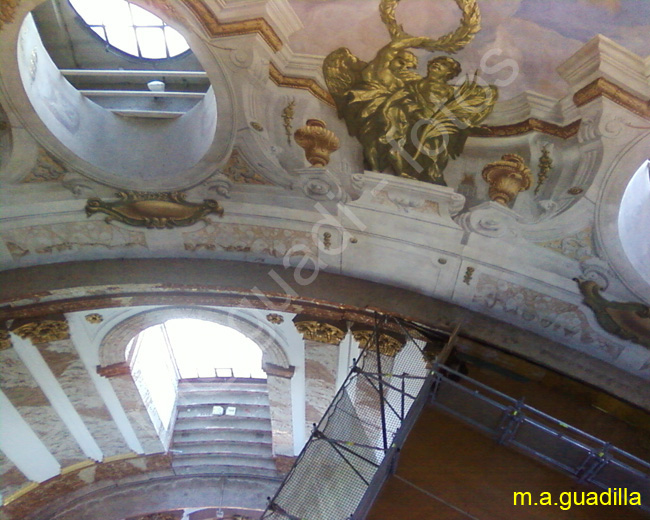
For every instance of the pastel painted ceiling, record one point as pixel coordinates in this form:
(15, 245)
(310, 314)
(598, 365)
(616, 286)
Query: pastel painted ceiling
(538, 35)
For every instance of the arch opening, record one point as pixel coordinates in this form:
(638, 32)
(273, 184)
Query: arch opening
(192, 351)
(633, 219)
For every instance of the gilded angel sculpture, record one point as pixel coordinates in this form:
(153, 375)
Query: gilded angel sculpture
(408, 123)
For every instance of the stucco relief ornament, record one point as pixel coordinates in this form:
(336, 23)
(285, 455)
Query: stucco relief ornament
(410, 124)
(154, 210)
(388, 345)
(44, 331)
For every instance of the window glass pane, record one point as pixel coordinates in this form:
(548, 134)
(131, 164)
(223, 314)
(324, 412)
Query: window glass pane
(118, 14)
(91, 13)
(123, 38)
(142, 17)
(100, 32)
(152, 42)
(175, 42)
(153, 37)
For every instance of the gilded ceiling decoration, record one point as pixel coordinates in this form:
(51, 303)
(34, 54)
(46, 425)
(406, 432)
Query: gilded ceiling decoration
(7, 11)
(407, 123)
(274, 318)
(42, 331)
(545, 165)
(507, 178)
(627, 320)
(317, 141)
(154, 210)
(94, 318)
(388, 344)
(5, 339)
(330, 333)
(287, 119)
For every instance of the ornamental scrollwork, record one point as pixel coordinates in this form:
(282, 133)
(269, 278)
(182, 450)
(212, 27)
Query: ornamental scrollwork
(388, 345)
(154, 210)
(320, 331)
(44, 331)
(408, 123)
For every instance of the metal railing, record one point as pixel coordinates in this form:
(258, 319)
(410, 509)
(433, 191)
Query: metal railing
(512, 423)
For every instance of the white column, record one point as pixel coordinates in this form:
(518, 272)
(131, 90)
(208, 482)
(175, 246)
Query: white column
(22, 446)
(35, 363)
(89, 355)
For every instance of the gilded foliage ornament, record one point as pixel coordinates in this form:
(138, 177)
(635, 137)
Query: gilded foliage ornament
(320, 331)
(44, 331)
(7, 11)
(408, 123)
(94, 318)
(274, 318)
(5, 339)
(388, 345)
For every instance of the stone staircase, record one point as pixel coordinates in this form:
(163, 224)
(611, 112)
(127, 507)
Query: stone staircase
(235, 439)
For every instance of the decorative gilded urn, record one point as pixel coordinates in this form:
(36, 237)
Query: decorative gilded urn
(317, 141)
(507, 178)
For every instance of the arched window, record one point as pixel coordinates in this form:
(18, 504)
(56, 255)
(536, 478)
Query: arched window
(130, 28)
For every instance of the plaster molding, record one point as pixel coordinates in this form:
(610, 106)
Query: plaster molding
(302, 83)
(603, 58)
(277, 13)
(404, 197)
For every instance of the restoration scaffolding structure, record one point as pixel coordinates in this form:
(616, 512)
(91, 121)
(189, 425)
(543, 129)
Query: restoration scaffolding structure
(355, 447)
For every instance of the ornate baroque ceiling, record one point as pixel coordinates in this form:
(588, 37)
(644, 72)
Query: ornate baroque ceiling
(529, 235)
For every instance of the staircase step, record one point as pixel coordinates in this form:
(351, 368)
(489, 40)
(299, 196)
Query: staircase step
(259, 449)
(198, 397)
(246, 461)
(221, 422)
(216, 384)
(241, 410)
(232, 471)
(224, 435)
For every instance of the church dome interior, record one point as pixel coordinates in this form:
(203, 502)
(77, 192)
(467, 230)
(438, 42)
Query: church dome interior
(324, 259)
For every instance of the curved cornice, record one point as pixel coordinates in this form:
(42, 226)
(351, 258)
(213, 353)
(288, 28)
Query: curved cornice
(79, 286)
(605, 88)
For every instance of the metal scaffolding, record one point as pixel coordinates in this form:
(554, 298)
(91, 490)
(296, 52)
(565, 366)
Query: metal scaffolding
(354, 448)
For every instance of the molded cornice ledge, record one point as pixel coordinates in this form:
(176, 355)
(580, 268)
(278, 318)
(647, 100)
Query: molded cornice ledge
(525, 106)
(601, 57)
(278, 13)
(409, 198)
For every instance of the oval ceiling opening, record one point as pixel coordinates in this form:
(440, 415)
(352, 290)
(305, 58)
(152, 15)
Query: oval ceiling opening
(125, 94)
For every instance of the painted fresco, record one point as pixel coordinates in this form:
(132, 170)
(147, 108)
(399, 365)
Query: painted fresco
(538, 35)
